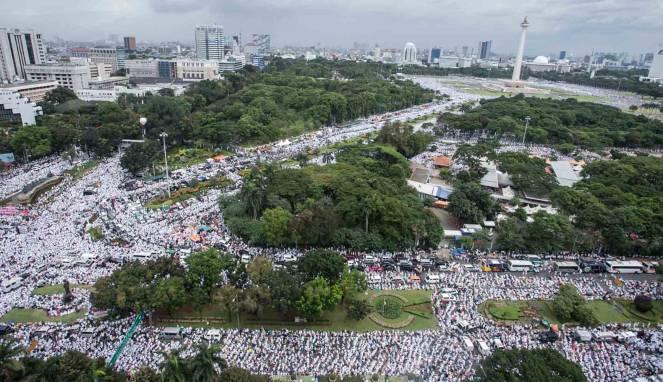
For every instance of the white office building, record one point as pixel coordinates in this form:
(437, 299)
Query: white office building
(656, 69)
(197, 70)
(35, 91)
(19, 48)
(105, 56)
(209, 42)
(409, 56)
(231, 64)
(111, 95)
(16, 108)
(142, 68)
(68, 75)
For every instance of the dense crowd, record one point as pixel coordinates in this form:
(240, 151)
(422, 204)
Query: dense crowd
(53, 244)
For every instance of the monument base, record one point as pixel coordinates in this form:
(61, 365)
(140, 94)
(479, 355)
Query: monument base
(516, 87)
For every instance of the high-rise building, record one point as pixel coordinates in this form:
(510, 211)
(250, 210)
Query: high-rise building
(17, 49)
(562, 54)
(120, 57)
(409, 56)
(484, 49)
(434, 55)
(209, 42)
(130, 43)
(263, 43)
(656, 69)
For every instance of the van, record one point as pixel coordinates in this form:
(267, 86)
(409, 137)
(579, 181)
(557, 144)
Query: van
(11, 284)
(171, 333)
(432, 278)
(213, 335)
(245, 259)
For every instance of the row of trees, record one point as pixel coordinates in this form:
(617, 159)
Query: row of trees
(319, 283)
(607, 79)
(362, 201)
(244, 107)
(204, 366)
(556, 122)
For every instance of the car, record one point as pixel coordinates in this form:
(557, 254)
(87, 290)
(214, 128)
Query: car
(288, 258)
(390, 267)
(405, 265)
(444, 268)
(369, 259)
(432, 278)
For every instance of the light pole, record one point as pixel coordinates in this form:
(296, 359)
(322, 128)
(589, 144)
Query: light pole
(143, 122)
(165, 159)
(527, 119)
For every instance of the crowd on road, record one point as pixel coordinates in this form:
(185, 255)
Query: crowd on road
(54, 244)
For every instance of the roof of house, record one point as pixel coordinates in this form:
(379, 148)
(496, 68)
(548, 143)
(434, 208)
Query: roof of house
(436, 191)
(420, 175)
(564, 173)
(442, 161)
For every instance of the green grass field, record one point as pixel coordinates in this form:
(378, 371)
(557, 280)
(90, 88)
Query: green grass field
(19, 315)
(335, 320)
(56, 289)
(617, 311)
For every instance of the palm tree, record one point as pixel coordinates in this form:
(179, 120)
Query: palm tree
(9, 364)
(205, 363)
(173, 369)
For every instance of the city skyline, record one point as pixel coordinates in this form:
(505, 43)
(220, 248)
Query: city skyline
(576, 27)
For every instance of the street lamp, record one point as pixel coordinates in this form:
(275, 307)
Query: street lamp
(527, 119)
(165, 159)
(143, 122)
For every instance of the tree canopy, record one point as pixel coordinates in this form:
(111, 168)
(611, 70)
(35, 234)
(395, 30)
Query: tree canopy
(552, 121)
(543, 365)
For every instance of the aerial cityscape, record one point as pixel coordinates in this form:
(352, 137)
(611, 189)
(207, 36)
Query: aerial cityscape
(331, 191)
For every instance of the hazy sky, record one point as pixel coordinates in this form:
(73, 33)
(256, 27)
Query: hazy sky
(573, 25)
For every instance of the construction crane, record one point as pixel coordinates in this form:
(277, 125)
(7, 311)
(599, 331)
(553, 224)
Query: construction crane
(127, 337)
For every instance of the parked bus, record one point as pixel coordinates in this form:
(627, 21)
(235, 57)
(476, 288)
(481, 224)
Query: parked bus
(630, 266)
(519, 265)
(537, 261)
(566, 266)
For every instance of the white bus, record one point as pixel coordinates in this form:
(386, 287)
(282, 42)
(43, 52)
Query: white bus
(519, 265)
(630, 266)
(566, 266)
(11, 284)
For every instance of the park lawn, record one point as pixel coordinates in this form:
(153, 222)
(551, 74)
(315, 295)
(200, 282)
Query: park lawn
(335, 320)
(181, 157)
(186, 193)
(47, 290)
(605, 312)
(20, 315)
(83, 169)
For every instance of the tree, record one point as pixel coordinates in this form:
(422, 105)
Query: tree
(34, 141)
(321, 263)
(145, 374)
(470, 203)
(403, 138)
(543, 365)
(285, 290)
(317, 297)
(358, 309)
(236, 374)
(569, 305)
(140, 156)
(204, 364)
(275, 225)
(204, 269)
(229, 297)
(259, 270)
(352, 283)
(9, 365)
(170, 294)
(174, 368)
(643, 303)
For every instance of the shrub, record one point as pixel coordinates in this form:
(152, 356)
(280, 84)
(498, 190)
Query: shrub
(358, 309)
(643, 303)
